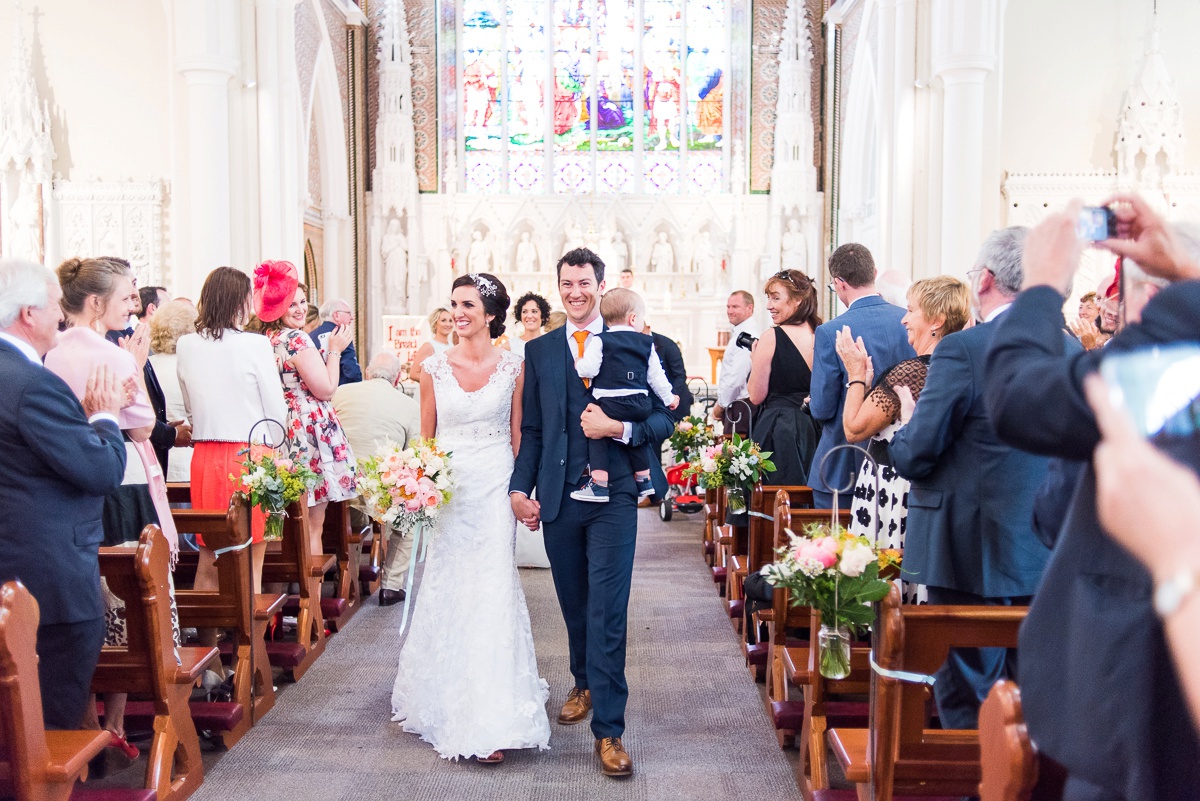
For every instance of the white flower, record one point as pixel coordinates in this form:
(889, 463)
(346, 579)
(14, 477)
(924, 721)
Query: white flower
(855, 558)
(810, 567)
(708, 465)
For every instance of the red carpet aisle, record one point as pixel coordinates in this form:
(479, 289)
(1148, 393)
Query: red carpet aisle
(696, 725)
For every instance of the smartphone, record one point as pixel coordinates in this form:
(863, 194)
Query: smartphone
(1096, 223)
(1159, 387)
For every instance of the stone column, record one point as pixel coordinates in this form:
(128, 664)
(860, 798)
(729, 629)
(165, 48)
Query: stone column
(964, 54)
(206, 55)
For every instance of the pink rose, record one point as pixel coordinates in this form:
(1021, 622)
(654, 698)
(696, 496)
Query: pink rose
(685, 426)
(813, 551)
(412, 505)
(431, 500)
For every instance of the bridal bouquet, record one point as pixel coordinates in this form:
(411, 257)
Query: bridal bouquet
(837, 573)
(737, 464)
(272, 481)
(692, 436)
(406, 487)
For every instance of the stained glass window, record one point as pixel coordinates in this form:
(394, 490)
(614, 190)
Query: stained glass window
(581, 96)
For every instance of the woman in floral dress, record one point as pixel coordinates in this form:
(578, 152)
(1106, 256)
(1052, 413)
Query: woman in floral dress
(314, 436)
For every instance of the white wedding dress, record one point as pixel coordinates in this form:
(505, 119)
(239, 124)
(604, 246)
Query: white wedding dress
(468, 680)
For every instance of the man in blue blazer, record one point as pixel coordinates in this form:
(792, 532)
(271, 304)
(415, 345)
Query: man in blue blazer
(58, 462)
(970, 536)
(878, 323)
(590, 545)
(1099, 689)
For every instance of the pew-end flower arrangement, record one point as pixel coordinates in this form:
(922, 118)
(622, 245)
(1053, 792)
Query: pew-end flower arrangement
(692, 436)
(272, 481)
(837, 573)
(736, 464)
(406, 487)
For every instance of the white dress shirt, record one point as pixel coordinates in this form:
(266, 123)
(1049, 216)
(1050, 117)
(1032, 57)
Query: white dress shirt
(996, 312)
(588, 366)
(29, 353)
(735, 365)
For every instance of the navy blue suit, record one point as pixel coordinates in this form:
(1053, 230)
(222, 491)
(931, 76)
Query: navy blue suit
(590, 545)
(1099, 689)
(969, 536)
(878, 323)
(55, 469)
(348, 370)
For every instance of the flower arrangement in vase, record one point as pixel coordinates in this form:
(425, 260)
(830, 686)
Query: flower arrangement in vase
(736, 464)
(272, 481)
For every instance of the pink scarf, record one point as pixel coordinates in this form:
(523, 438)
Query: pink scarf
(78, 351)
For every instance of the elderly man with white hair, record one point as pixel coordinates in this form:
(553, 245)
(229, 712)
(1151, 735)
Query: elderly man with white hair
(336, 314)
(373, 413)
(60, 459)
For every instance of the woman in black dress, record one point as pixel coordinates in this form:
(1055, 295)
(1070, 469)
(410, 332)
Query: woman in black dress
(780, 374)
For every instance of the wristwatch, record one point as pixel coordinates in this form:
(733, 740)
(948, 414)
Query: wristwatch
(1170, 593)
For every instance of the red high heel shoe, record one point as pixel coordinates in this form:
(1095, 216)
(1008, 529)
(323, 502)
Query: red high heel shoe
(124, 746)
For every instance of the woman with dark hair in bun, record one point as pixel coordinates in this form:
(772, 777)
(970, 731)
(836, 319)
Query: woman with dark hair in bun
(531, 312)
(473, 696)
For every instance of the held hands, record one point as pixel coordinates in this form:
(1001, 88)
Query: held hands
(907, 403)
(527, 510)
(1147, 239)
(138, 344)
(339, 339)
(1131, 477)
(104, 393)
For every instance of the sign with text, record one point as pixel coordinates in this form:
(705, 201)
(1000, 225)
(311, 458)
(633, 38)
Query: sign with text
(404, 333)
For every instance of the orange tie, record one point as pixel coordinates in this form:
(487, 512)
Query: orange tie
(580, 339)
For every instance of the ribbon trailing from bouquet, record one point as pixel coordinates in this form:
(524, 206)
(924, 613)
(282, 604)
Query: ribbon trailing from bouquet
(420, 543)
(761, 514)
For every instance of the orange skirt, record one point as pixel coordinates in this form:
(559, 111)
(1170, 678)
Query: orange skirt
(213, 466)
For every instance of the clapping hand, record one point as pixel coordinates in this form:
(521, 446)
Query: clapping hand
(138, 344)
(104, 393)
(1087, 332)
(853, 354)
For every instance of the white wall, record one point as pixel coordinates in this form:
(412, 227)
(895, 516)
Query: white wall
(1067, 66)
(103, 64)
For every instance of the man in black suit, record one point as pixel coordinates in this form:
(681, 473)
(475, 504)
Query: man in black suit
(590, 545)
(167, 434)
(1098, 688)
(970, 536)
(58, 462)
(672, 361)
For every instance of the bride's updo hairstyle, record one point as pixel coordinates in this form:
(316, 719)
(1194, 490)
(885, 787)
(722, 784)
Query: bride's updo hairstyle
(495, 298)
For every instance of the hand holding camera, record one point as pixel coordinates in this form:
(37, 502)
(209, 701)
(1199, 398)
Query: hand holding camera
(744, 340)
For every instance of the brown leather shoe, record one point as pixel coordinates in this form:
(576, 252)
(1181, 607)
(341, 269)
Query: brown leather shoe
(614, 759)
(576, 708)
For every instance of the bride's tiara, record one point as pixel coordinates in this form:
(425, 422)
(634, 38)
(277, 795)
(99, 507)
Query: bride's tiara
(484, 285)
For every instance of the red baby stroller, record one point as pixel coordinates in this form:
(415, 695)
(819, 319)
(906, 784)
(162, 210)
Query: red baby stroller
(681, 494)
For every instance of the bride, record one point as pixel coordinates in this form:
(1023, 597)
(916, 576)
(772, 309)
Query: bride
(468, 681)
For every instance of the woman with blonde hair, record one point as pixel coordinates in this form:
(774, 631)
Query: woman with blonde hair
(937, 307)
(175, 319)
(441, 329)
(99, 295)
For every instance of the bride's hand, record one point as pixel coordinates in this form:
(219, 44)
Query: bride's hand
(527, 510)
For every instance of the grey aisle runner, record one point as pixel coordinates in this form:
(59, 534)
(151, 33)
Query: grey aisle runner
(696, 727)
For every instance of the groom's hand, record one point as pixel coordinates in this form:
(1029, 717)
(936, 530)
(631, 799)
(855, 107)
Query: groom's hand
(527, 510)
(598, 425)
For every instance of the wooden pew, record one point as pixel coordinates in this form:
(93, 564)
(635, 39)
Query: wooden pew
(784, 618)
(760, 551)
(910, 757)
(234, 608)
(711, 516)
(35, 764)
(291, 562)
(1011, 767)
(147, 665)
(340, 541)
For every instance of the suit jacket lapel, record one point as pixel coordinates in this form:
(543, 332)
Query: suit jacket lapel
(560, 370)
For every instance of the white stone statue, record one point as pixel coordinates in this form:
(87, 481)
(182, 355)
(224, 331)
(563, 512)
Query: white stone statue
(794, 256)
(527, 260)
(619, 251)
(662, 255)
(25, 226)
(704, 261)
(479, 256)
(394, 250)
(572, 237)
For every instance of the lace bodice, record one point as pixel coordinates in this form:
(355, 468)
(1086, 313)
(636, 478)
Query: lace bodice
(478, 416)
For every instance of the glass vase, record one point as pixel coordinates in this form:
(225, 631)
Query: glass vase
(274, 529)
(735, 506)
(834, 654)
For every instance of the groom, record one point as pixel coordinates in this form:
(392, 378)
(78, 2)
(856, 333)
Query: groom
(590, 545)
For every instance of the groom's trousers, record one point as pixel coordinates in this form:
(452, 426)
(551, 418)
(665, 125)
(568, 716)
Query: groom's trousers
(591, 547)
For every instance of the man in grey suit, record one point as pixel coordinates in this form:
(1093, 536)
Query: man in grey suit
(373, 413)
(58, 462)
(869, 316)
(970, 535)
